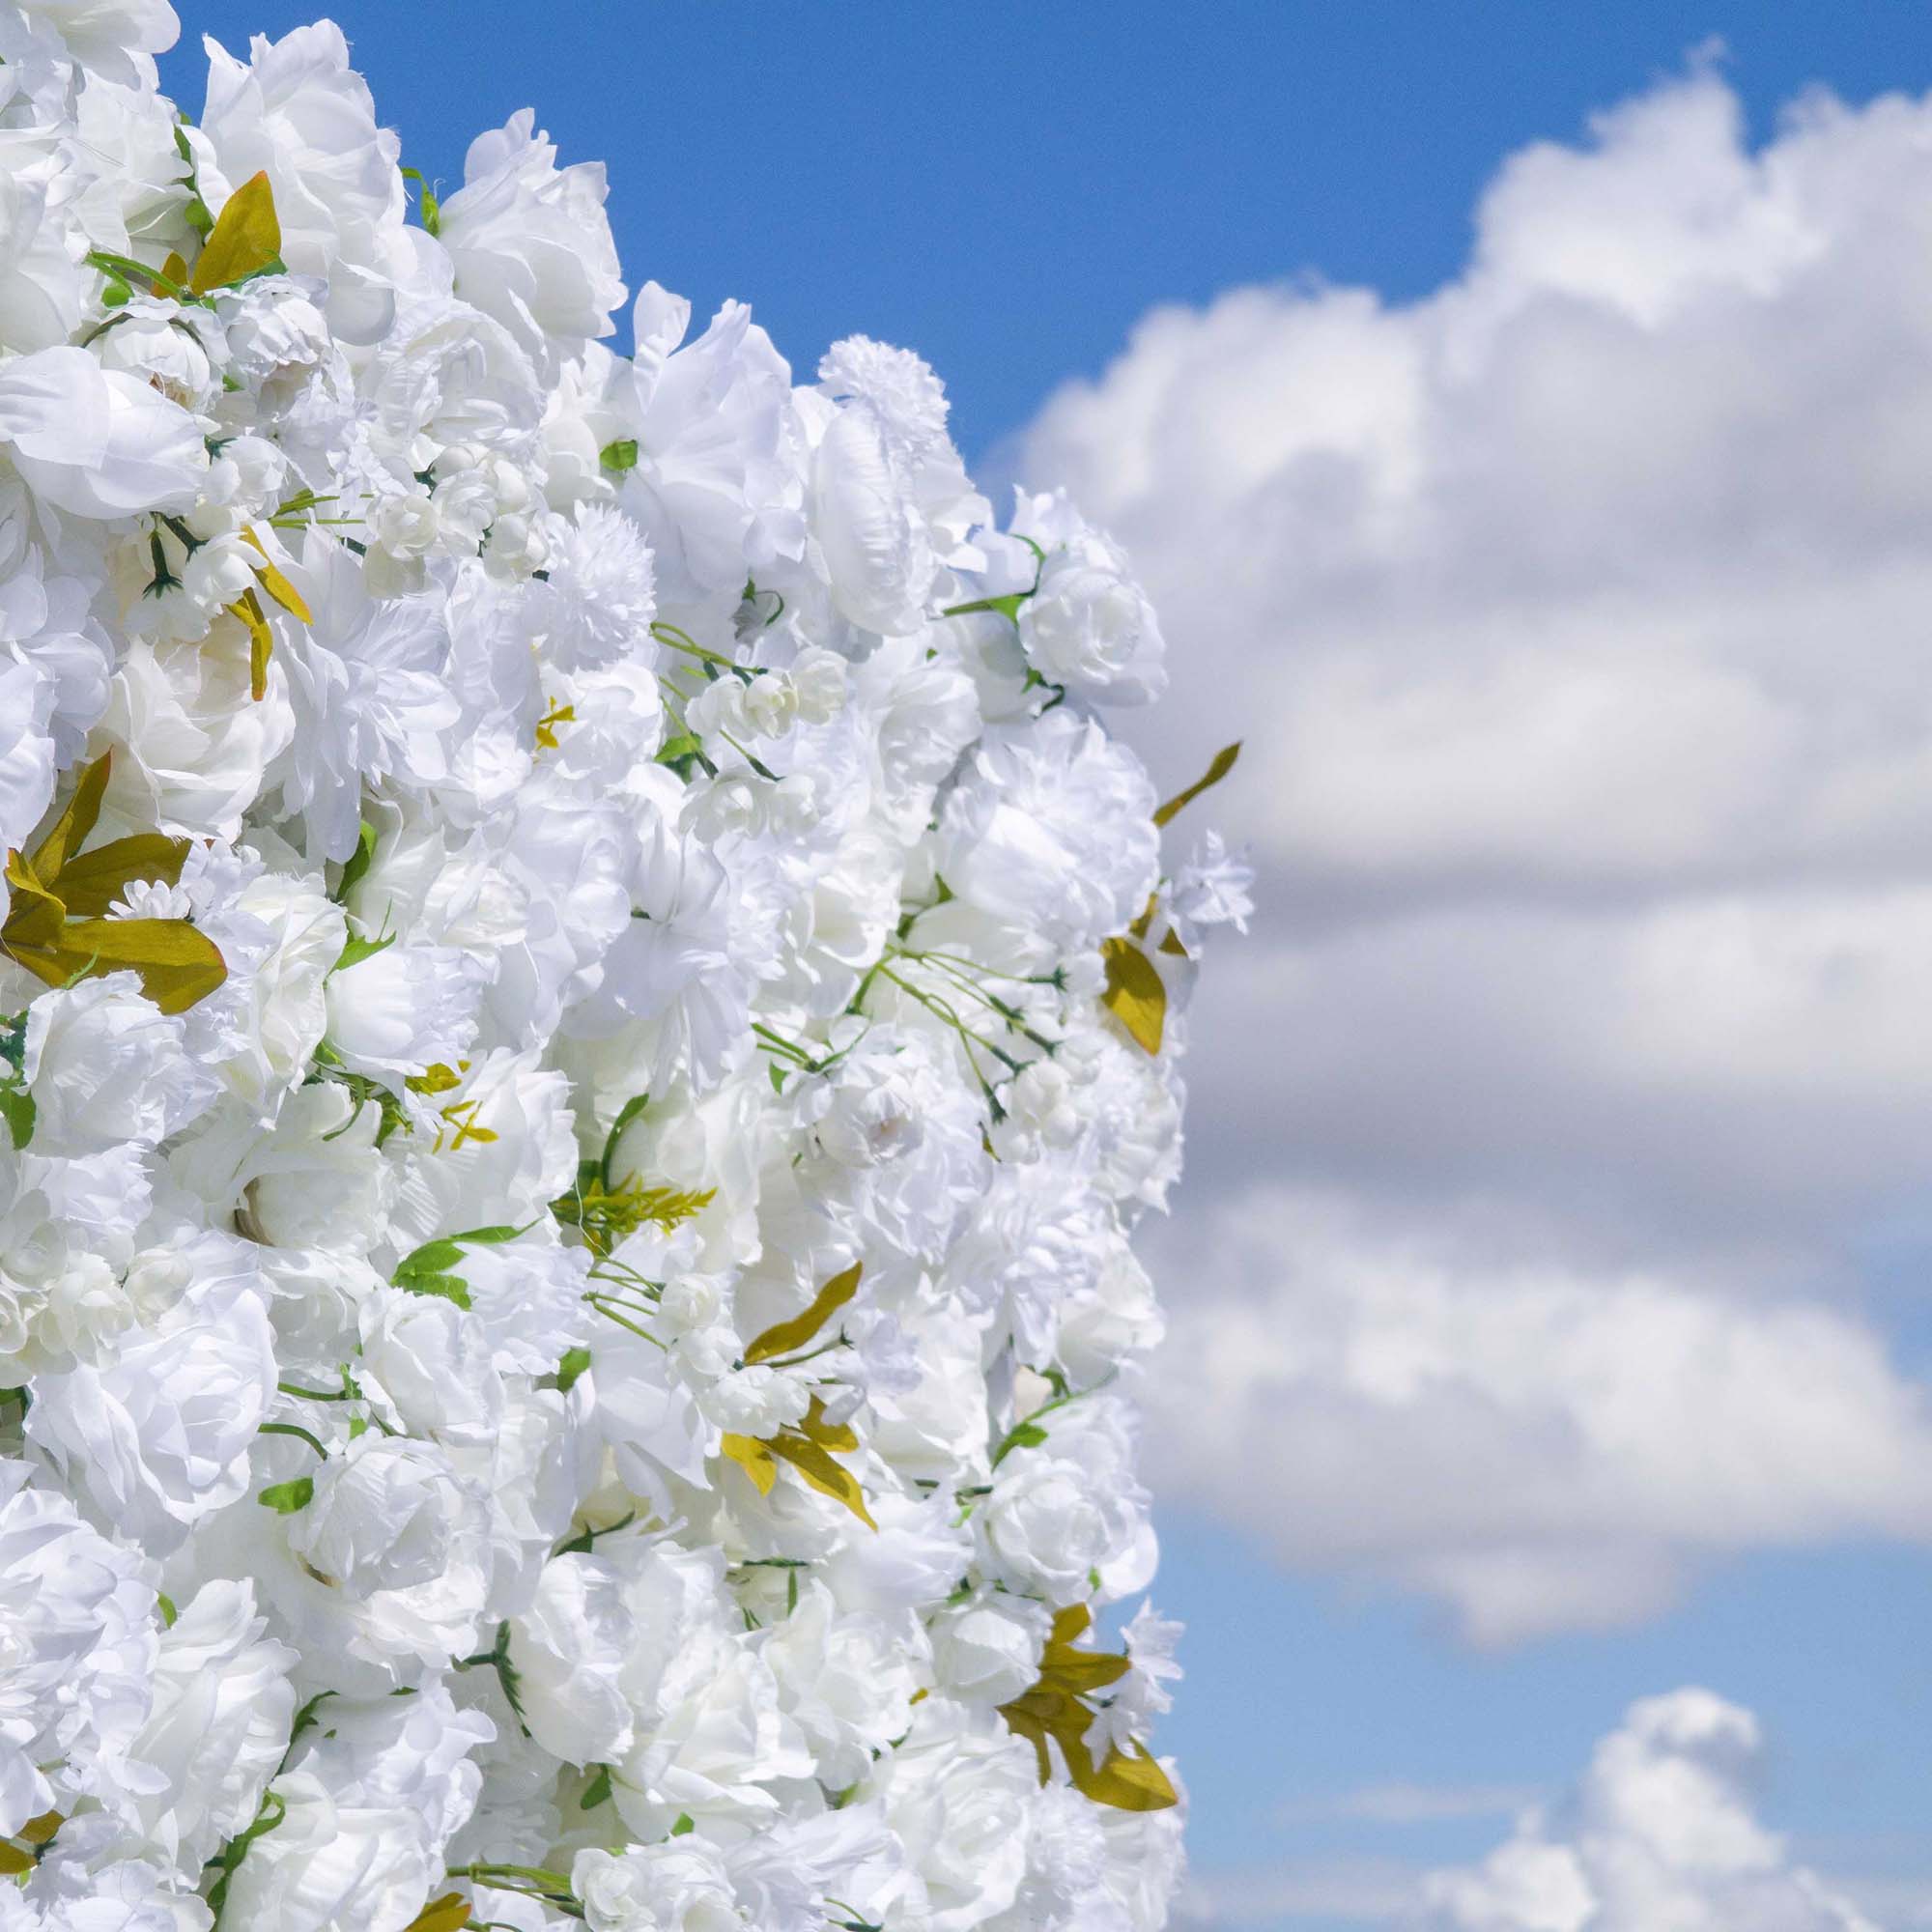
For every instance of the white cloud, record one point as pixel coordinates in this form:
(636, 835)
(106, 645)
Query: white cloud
(1578, 620)
(1658, 1836)
(1547, 1447)
(1406, 1803)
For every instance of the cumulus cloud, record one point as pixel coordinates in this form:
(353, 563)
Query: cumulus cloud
(1577, 620)
(1549, 1446)
(1660, 1832)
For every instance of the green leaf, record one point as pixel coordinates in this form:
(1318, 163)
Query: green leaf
(450, 1287)
(684, 1826)
(1021, 1435)
(357, 864)
(619, 456)
(166, 1605)
(432, 209)
(597, 1791)
(246, 237)
(574, 1363)
(285, 1498)
(783, 1337)
(1135, 993)
(355, 950)
(626, 1114)
(17, 1110)
(1222, 764)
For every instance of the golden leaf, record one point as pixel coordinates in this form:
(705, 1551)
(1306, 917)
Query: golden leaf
(37, 1830)
(827, 1435)
(1135, 993)
(274, 582)
(91, 883)
(14, 1860)
(261, 641)
(246, 237)
(828, 1478)
(782, 1337)
(175, 269)
(70, 829)
(447, 1914)
(755, 1458)
(177, 964)
(1223, 763)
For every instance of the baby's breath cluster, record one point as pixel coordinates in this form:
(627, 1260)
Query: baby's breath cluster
(588, 1009)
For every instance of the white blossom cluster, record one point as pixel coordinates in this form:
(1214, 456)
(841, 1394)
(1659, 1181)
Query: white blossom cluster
(588, 1009)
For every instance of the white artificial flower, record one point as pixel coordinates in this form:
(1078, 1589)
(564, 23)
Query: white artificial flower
(155, 1433)
(605, 1295)
(218, 1723)
(530, 243)
(1052, 829)
(382, 1515)
(105, 1066)
(97, 443)
(299, 112)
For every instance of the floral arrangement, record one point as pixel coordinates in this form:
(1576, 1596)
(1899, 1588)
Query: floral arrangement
(588, 1008)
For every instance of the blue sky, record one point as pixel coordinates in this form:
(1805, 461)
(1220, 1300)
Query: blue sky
(1008, 188)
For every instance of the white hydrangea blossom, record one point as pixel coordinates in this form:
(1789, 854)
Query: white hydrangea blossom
(588, 1009)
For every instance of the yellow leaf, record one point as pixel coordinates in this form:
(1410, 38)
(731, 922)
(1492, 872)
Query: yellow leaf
(91, 883)
(1223, 763)
(782, 1337)
(34, 916)
(177, 964)
(824, 1475)
(176, 270)
(1127, 1782)
(755, 1458)
(246, 237)
(70, 829)
(14, 1860)
(448, 1913)
(827, 1435)
(1173, 947)
(1069, 1626)
(274, 582)
(37, 1830)
(261, 641)
(1135, 995)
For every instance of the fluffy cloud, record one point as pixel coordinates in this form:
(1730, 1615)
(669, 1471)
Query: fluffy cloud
(1660, 1832)
(1576, 620)
(1546, 1445)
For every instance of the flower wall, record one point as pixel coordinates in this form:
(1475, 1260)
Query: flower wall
(588, 1009)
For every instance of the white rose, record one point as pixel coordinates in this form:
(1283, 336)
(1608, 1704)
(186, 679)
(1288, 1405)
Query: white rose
(104, 1065)
(405, 1009)
(530, 242)
(1091, 627)
(1043, 1528)
(96, 442)
(289, 1010)
(156, 1432)
(955, 1792)
(383, 1516)
(218, 1725)
(986, 1651)
(847, 1681)
(682, 1885)
(569, 1650)
(299, 112)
